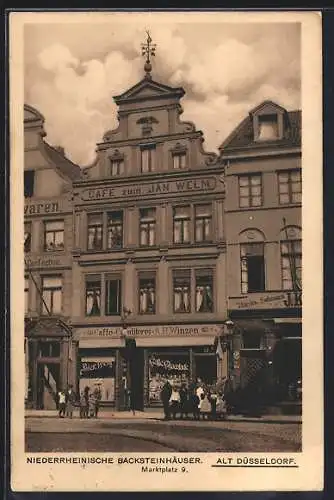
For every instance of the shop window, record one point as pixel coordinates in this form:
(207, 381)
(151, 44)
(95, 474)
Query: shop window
(252, 340)
(250, 190)
(93, 295)
(95, 230)
(291, 264)
(147, 158)
(147, 226)
(52, 294)
(179, 160)
(115, 229)
(252, 267)
(203, 217)
(147, 294)
(181, 291)
(163, 367)
(27, 237)
(204, 290)
(290, 187)
(29, 180)
(26, 295)
(49, 349)
(113, 296)
(181, 222)
(54, 236)
(268, 127)
(98, 373)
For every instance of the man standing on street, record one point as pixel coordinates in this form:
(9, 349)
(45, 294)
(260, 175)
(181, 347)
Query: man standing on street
(70, 401)
(165, 395)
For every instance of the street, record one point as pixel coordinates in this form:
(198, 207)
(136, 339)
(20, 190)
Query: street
(45, 434)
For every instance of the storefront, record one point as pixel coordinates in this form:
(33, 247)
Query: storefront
(142, 360)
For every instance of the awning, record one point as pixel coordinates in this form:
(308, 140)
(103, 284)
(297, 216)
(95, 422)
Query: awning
(101, 343)
(174, 341)
(288, 321)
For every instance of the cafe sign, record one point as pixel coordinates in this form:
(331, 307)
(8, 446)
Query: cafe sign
(203, 185)
(274, 300)
(150, 331)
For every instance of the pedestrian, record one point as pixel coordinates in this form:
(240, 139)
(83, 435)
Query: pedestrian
(97, 400)
(61, 403)
(199, 389)
(70, 401)
(195, 401)
(165, 395)
(83, 406)
(205, 406)
(213, 400)
(91, 405)
(184, 401)
(174, 401)
(221, 408)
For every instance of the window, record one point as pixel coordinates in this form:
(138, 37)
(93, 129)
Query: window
(115, 230)
(113, 296)
(27, 236)
(93, 295)
(147, 159)
(181, 291)
(179, 160)
(268, 127)
(26, 295)
(252, 267)
(290, 187)
(250, 191)
(181, 220)
(204, 290)
(291, 262)
(49, 349)
(147, 226)
(29, 178)
(147, 294)
(52, 295)
(94, 224)
(116, 167)
(54, 236)
(203, 215)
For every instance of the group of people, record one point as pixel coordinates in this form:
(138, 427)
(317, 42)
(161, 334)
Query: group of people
(89, 402)
(198, 400)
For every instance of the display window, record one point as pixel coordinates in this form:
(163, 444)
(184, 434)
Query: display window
(167, 366)
(99, 373)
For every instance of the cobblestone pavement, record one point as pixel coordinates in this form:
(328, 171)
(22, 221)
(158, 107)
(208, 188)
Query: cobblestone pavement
(156, 435)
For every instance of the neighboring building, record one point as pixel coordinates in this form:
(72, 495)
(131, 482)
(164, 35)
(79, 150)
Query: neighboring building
(149, 252)
(50, 355)
(262, 160)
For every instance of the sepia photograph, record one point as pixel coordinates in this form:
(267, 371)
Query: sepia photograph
(162, 252)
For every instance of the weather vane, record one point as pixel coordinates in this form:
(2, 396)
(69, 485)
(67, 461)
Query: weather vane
(148, 50)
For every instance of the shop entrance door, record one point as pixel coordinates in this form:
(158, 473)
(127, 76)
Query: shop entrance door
(136, 365)
(206, 368)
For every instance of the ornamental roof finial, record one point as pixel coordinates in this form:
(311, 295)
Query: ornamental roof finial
(148, 50)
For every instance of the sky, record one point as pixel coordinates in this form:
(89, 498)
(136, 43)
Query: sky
(73, 70)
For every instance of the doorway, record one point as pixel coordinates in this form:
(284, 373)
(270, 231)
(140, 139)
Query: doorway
(136, 369)
(206, 368)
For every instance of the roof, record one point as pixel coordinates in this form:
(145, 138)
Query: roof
(243, 137)
(47, 326)
(148, 89)
(66, 166)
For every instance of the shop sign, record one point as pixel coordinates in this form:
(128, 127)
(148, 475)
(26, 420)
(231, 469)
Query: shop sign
(195, 185)
(280, 300)
(97, 369)
(33, 262)
(150, 331)
(44, 207)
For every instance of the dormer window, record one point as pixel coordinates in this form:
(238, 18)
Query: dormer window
(268, 127)
(116, 166)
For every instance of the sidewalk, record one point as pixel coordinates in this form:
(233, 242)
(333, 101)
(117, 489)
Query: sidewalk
(153, 414)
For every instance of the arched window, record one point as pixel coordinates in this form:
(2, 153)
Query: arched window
(291, 258)
(252, 261)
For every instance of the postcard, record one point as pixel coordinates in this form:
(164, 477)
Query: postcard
(166, 251)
